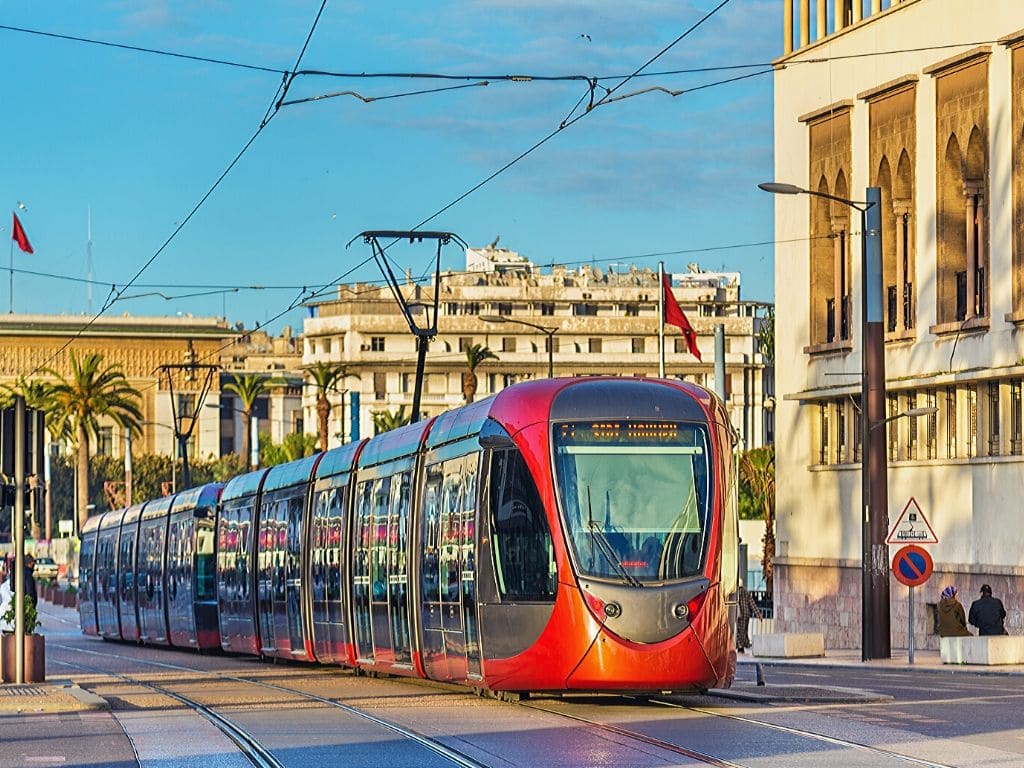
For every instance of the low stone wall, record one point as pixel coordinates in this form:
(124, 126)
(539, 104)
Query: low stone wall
(825, 596)
(993, 649)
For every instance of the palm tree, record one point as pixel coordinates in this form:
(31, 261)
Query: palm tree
(94, 390)
(475, 354)
(385, 421)
(248, 387)
(326, 377)
(757, 470)
(35, 391)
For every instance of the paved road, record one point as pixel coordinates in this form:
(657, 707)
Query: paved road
(982, 709)
(928, 718)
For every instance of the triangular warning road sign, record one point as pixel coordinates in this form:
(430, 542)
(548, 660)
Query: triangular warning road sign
(912, 527)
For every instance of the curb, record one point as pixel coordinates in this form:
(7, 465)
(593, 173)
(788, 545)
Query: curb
(945, 669)
(798, 694)
(88, 699)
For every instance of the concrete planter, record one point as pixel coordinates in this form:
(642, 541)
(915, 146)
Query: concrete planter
(70, 599)
(35, 658)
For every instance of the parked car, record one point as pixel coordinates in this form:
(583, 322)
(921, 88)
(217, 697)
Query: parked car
(46, 568)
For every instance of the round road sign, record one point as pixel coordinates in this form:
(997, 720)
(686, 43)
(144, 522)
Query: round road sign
(912, 565)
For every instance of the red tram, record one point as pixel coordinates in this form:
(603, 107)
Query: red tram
(561, 535)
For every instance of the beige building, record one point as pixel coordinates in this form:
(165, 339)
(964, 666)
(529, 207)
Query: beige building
(596, 321)
(278, 411)
(140, 345)
(924, 100)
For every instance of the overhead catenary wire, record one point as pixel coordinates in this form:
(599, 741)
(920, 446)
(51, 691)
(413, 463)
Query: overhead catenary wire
(514, 78)
(372, 285)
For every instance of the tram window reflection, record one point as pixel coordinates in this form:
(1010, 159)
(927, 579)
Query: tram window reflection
(523, 553)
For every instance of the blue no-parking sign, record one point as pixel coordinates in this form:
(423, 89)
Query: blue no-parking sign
(912, 565)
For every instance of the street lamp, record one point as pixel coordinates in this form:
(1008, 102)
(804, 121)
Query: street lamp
(549, 332)
(910, 413)
(875, 631)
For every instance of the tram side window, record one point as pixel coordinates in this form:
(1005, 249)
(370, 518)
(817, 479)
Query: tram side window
(523, 554)
(206, 587)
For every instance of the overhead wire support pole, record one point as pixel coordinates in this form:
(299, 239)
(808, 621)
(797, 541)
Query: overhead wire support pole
(874, 503)
(19, 539)
(425, 333)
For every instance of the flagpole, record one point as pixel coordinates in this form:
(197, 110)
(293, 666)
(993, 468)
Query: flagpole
(661, 320)
(10, 273)
(88, 255)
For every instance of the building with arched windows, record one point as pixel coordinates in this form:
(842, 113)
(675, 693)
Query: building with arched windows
(923, 99)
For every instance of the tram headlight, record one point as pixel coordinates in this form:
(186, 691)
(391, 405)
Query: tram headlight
(681, 611)
(612, 610)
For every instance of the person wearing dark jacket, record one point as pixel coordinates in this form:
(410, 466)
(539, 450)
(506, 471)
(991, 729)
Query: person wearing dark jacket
(952, 620)
(987, 613)
(30, 579)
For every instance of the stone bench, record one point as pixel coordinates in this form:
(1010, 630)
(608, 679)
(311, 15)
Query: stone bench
(789, 645)
(991, 649)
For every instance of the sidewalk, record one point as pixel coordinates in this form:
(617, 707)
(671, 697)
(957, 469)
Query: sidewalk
(924, 661)
(56, 722)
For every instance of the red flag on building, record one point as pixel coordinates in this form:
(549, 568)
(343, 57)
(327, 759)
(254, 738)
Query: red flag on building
(674, 315)
(19, 236)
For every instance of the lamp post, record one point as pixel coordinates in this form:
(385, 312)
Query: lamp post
(549, 332)
(875, 615)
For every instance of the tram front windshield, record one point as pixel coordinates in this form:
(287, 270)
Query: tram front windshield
(634, 497)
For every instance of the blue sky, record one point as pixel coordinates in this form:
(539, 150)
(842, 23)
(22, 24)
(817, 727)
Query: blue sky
(140, 139)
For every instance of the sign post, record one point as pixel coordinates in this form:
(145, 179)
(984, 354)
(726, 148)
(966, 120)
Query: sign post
(911, 566)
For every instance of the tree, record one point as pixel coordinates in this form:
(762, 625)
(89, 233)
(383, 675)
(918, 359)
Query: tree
(326, 377)
(94, 390)
(385, 421)
(475, 354)
(295, 445)
(248, 387)
(757, 473)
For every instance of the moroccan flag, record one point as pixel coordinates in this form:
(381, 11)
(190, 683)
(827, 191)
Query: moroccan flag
(675, 316)
(18, 235)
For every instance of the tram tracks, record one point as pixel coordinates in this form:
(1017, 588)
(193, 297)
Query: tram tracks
(846, 743)
(876, 752)
(616, 732)
(248, 745)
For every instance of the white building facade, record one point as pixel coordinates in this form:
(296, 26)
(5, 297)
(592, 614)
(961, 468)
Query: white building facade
(923, 99)
(597, 322)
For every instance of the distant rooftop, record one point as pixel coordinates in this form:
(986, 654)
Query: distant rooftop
(115, 325)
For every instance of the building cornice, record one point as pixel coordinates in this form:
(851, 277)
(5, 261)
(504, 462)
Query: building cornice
(888, 89)
(794, 57)
(959, 61)
(915, 381)
(831, 110)
(1012, 40)
(117, 327)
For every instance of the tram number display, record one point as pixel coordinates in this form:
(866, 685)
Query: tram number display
(630, 432)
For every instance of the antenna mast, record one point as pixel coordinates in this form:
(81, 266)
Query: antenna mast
(88, 256)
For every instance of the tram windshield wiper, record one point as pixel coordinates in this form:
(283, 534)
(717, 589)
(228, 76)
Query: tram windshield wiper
(606, 546)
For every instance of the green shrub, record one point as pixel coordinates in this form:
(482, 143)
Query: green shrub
(31, 615)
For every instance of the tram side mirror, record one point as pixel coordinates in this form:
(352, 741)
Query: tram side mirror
(495, 441)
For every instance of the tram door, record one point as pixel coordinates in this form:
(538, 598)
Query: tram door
(296, 504)
(398, 567)
(380, 570)
(270, 576)
(451, 645)
(362, 539)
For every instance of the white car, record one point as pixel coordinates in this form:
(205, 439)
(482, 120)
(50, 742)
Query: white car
(45, 568)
